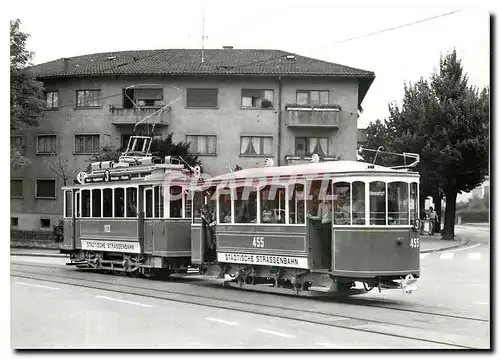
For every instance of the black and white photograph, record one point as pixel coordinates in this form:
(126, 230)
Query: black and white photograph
(264, 175)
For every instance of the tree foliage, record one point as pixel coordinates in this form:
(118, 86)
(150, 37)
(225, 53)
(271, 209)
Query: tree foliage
(26, 94)
(446, 121)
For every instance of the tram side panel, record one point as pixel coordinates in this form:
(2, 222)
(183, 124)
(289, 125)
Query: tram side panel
(69, 235)
(374, 252)
(168, 237)
(109, 235)
(263, 245)
(197, 244)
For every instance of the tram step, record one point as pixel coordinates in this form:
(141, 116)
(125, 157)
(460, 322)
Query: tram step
(321, 289)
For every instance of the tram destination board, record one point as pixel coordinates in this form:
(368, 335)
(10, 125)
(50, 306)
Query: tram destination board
(263, 260)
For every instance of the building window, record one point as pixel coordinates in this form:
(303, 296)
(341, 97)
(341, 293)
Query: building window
(87, 98)
(201, 144)
(46, 144)
(312, 97)
(308, 145)
(46, 188)
(256, 146)
(14, 221)
(16, 188)
(52, 99)
(201, 98)
(86, 144)
(146, 97)
(257, 98)
(44, 223)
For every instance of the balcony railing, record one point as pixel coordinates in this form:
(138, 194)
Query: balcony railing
(131, 116)
(312, 117)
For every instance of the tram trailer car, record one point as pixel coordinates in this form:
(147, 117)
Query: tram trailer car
(268, 234)
(372, 236)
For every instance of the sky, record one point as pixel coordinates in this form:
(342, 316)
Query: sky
(333, 31)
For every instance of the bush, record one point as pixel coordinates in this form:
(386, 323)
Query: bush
(474, 216)
(58, 232)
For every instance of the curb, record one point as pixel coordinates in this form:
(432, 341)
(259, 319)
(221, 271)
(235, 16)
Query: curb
(39, 255)
(464, 242)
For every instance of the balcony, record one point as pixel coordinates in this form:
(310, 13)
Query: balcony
(307, 117)
(131, 116)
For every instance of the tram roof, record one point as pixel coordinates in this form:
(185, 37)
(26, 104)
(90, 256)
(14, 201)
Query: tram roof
(311, 169)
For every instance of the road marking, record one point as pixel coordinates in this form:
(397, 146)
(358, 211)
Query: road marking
(481, 303)
(423, 255)
(328, 345)
(474, 256)
(446, 256)
(37, 285)
(123, 301)
(276, 333)
(222, 321)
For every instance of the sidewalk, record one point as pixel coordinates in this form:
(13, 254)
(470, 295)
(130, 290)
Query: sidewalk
(427, 244)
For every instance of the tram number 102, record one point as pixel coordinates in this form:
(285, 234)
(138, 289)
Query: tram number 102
(258, 242)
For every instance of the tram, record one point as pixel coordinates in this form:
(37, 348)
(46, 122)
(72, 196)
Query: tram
(319, 227)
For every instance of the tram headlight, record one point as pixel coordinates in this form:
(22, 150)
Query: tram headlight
(416, 225)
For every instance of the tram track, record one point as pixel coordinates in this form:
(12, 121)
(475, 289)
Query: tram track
(408, 330)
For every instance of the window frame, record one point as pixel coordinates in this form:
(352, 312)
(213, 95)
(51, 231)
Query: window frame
(307, 138)
(86, 134)
(52, 108)
(38, 153)
(273, 105)
(45, 179)
(202, 135)
(99, 105)
(309, 96)
(22, 187)
(261, 145)
(187, 106)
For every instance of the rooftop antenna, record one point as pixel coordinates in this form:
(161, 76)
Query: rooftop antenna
(203, 39)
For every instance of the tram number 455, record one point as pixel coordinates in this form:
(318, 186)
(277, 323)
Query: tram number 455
(415, 242)
(258, 242)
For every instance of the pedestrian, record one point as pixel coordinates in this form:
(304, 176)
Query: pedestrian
(433, 220)
(208, 229)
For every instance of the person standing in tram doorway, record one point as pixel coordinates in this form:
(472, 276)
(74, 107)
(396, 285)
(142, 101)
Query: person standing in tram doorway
(433, 220)
(208, 230)
(325, 215)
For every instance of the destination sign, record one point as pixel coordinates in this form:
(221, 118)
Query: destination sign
(263, 260)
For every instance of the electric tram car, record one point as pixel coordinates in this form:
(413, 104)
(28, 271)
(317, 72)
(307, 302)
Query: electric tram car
(318, 227)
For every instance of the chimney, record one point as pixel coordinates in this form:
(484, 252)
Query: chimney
(227, 47)
(66, 63)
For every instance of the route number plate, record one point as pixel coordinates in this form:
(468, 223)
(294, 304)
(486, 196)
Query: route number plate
(415, 242)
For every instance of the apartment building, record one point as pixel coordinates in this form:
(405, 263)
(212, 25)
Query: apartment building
(235, 107)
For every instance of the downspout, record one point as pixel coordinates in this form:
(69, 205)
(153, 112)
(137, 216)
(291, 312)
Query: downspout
(280, 116)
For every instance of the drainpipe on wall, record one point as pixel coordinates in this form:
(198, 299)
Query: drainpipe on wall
(280, 116)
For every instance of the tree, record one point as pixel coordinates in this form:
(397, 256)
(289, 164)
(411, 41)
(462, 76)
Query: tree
(26, 94)
(446, 121)
(159, 148)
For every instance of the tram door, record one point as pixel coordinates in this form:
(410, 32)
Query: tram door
(319, 208)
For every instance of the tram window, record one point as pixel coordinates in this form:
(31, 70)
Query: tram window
(96, 203)
(245, 205)
(69, 204)
(197, 202)
(342, 203)
(358, 203)
(188, 204)
(175, 202)
(107, 202)
(131, 202)
(86, 203)
(397, 203)
(413, 203)
(272, 204)
(296, 204)
(77, 205)
(225, 205)
(149, 203)
(119, 202)
(158, 201)
(378, 207)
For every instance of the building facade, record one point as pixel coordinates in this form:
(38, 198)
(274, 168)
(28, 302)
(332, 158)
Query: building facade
(235, 107)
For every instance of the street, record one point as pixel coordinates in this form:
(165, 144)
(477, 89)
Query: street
(453, 282)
